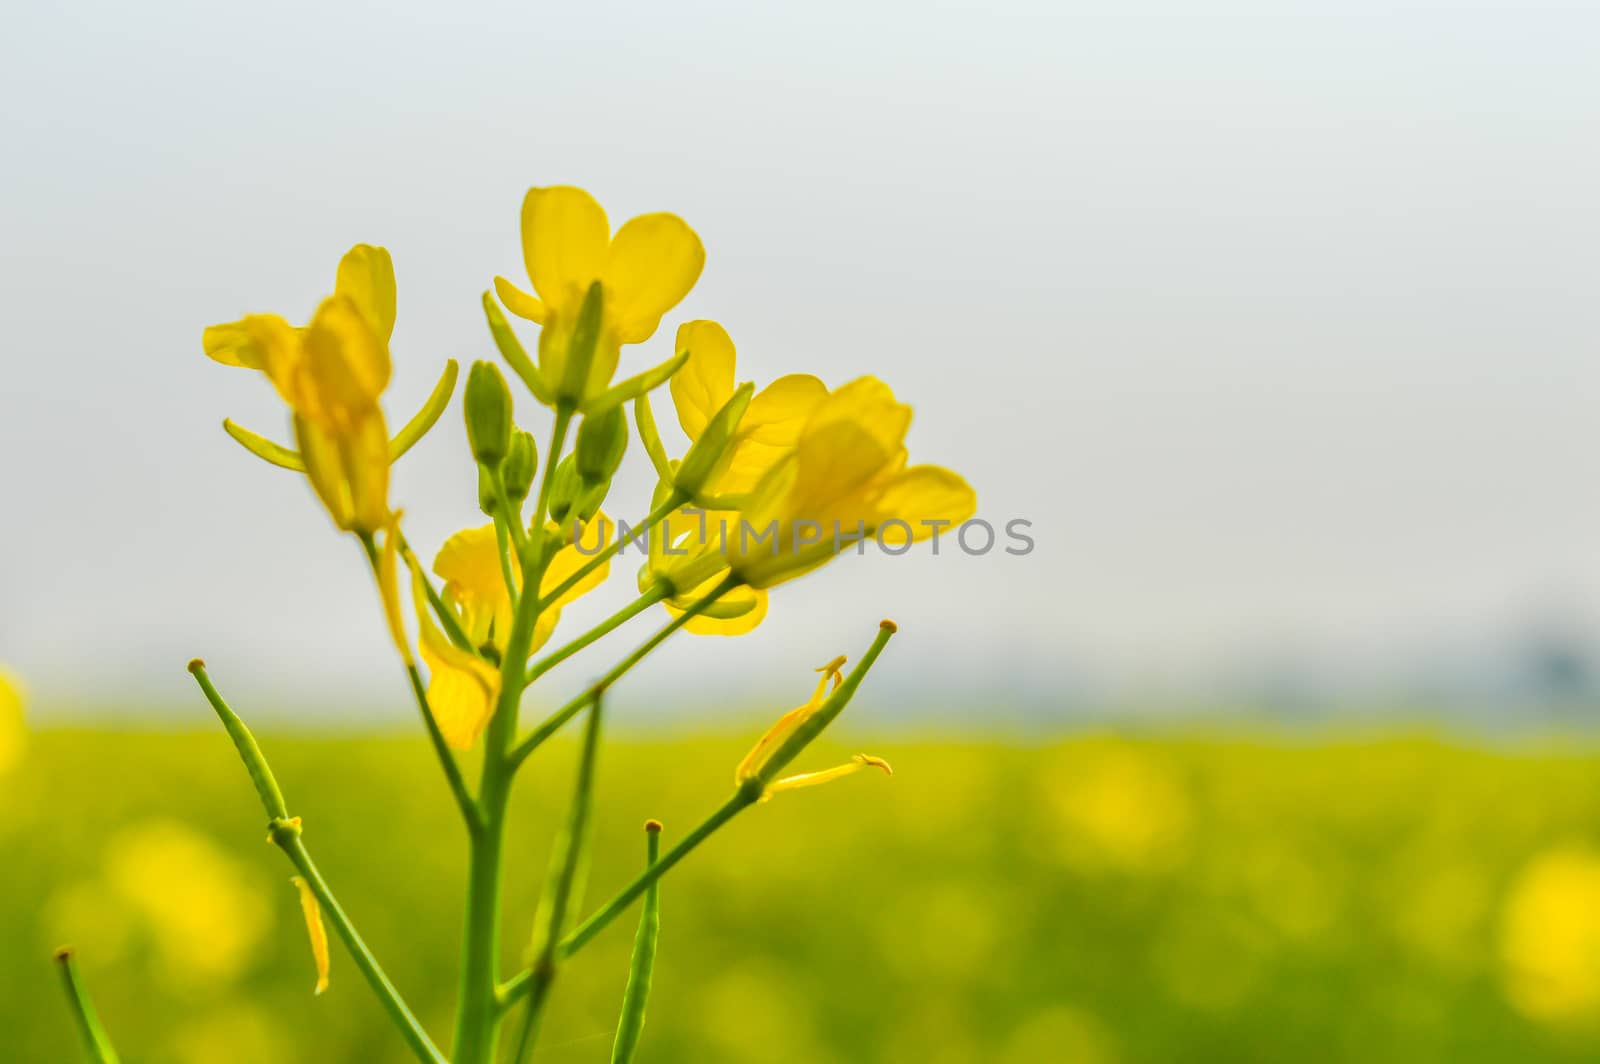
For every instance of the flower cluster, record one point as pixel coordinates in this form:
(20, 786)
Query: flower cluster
(796, 456)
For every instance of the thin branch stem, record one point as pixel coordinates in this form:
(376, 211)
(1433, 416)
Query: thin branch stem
(598, 632)
(468, 805)
(96, 1042)
(655, 517)
(478, 1014)
(285, 834)
(569, 855)
(553, 723)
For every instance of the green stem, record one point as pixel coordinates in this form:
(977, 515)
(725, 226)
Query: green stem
(598, 632)
(741, 799)
(553, 723)
(447, 758)
(96, 1043)
(513, 520)
(655, 517)
(285, 834)
(447, 616)
(569, 855)
(524, 981)
(478, 1013)
(502, 548)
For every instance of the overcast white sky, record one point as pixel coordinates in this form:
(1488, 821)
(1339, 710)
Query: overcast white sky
(1278, 321)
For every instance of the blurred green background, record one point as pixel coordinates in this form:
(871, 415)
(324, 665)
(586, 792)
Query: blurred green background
(1098, 899)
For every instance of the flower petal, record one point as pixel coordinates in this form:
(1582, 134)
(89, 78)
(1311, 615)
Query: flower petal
(389, 587)
(315, 931)
(705, 382)
(366, 278)
(733, 623)
(591, 540)
(655, 259)
(345, 364)
(462, 687)
(519, 302)
(469, 563)
(769, 430)
(232, 345)
(828, 775)
(564, 239)
(917, 496)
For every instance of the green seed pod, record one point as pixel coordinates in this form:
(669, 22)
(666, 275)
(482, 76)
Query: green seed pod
(602, 441)
(521, 461)
(488, 412)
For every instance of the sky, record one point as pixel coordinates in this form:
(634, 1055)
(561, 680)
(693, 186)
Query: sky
(1276, 321)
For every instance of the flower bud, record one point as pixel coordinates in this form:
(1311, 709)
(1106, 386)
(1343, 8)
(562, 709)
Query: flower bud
(602, 440)
(708, 451)
(521, 461)
(565, 487)
(488, 411)
(488, 498)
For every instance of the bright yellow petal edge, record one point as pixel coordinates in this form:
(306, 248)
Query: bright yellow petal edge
(314, 930)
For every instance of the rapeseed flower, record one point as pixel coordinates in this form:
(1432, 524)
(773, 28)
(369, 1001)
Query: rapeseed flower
(331, 374)
(642, 271)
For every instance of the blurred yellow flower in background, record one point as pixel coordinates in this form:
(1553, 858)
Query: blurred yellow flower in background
(1118, 807)
(1550, 937)
(331, 374)
(202, 913)
(643, 270)
(13, 735)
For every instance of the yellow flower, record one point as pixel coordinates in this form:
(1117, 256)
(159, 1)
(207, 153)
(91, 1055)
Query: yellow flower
(845, 479)
(644, 270)
(686, 552)
(462, 687)
(756, 761)
(331, 374)
(771, 424)
(469, 564)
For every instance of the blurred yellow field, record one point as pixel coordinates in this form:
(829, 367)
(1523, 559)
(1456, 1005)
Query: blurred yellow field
(1096, 900)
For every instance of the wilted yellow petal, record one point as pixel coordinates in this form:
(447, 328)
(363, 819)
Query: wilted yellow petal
(654, 260)
(786, 724)
(314, 929)
(366, 278)
(827, 775)
(705, 382)
(389, 588)
(564, 239)
(462, 687)
(519, 302)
